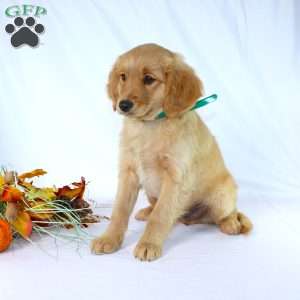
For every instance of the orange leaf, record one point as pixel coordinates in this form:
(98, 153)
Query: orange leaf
(5, 235)
(34, 173)
(72, 193)
(23, 224)
(11, 194)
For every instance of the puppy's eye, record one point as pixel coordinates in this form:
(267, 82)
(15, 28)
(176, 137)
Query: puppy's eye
(148, 79)
(123, 76)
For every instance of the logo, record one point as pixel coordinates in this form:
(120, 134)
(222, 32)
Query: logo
(25, 30)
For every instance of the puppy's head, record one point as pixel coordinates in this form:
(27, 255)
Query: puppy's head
(149, 79)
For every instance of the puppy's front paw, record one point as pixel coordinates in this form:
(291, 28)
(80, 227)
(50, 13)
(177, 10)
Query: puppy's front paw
(105, 244)
(147, 251)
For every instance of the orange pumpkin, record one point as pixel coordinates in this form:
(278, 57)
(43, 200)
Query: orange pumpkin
(5, 235)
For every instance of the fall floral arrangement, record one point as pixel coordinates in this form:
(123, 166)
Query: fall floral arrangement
(25, 208)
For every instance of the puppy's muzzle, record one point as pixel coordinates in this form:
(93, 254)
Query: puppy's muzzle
(126, 105)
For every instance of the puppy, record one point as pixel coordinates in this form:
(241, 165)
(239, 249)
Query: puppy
(175, 160)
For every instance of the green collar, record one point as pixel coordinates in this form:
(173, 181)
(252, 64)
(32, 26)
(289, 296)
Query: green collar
(199, 103)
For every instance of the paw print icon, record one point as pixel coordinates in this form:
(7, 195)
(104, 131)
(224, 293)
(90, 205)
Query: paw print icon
(24, 32)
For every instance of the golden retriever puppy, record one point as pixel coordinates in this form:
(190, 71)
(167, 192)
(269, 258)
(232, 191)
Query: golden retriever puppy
(176, 160)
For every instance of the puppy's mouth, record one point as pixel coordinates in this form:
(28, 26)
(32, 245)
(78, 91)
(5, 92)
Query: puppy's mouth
(138, 113)
(130, 113)
(123, 112)
(147, 115)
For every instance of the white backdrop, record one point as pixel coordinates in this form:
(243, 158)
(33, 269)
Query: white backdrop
(55, 114)
(54, 109)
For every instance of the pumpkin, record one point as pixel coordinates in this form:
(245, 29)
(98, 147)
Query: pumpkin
(5, 235)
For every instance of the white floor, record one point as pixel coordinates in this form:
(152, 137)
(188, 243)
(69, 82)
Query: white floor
(198, 262)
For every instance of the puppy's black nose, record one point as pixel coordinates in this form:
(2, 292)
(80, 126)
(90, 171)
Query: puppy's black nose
(126, 105)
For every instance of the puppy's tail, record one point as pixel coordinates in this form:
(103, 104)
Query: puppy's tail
(246, 224)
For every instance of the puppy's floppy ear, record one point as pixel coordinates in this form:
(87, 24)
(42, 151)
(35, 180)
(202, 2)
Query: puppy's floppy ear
(112, 85)
(183, 88)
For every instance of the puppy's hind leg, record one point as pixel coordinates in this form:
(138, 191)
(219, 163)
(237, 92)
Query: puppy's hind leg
(144, 213)
(235, 223)
(223, 210)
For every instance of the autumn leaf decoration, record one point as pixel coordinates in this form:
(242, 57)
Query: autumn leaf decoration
(36, 208)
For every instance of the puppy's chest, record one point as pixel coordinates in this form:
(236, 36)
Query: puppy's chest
(146, 151)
